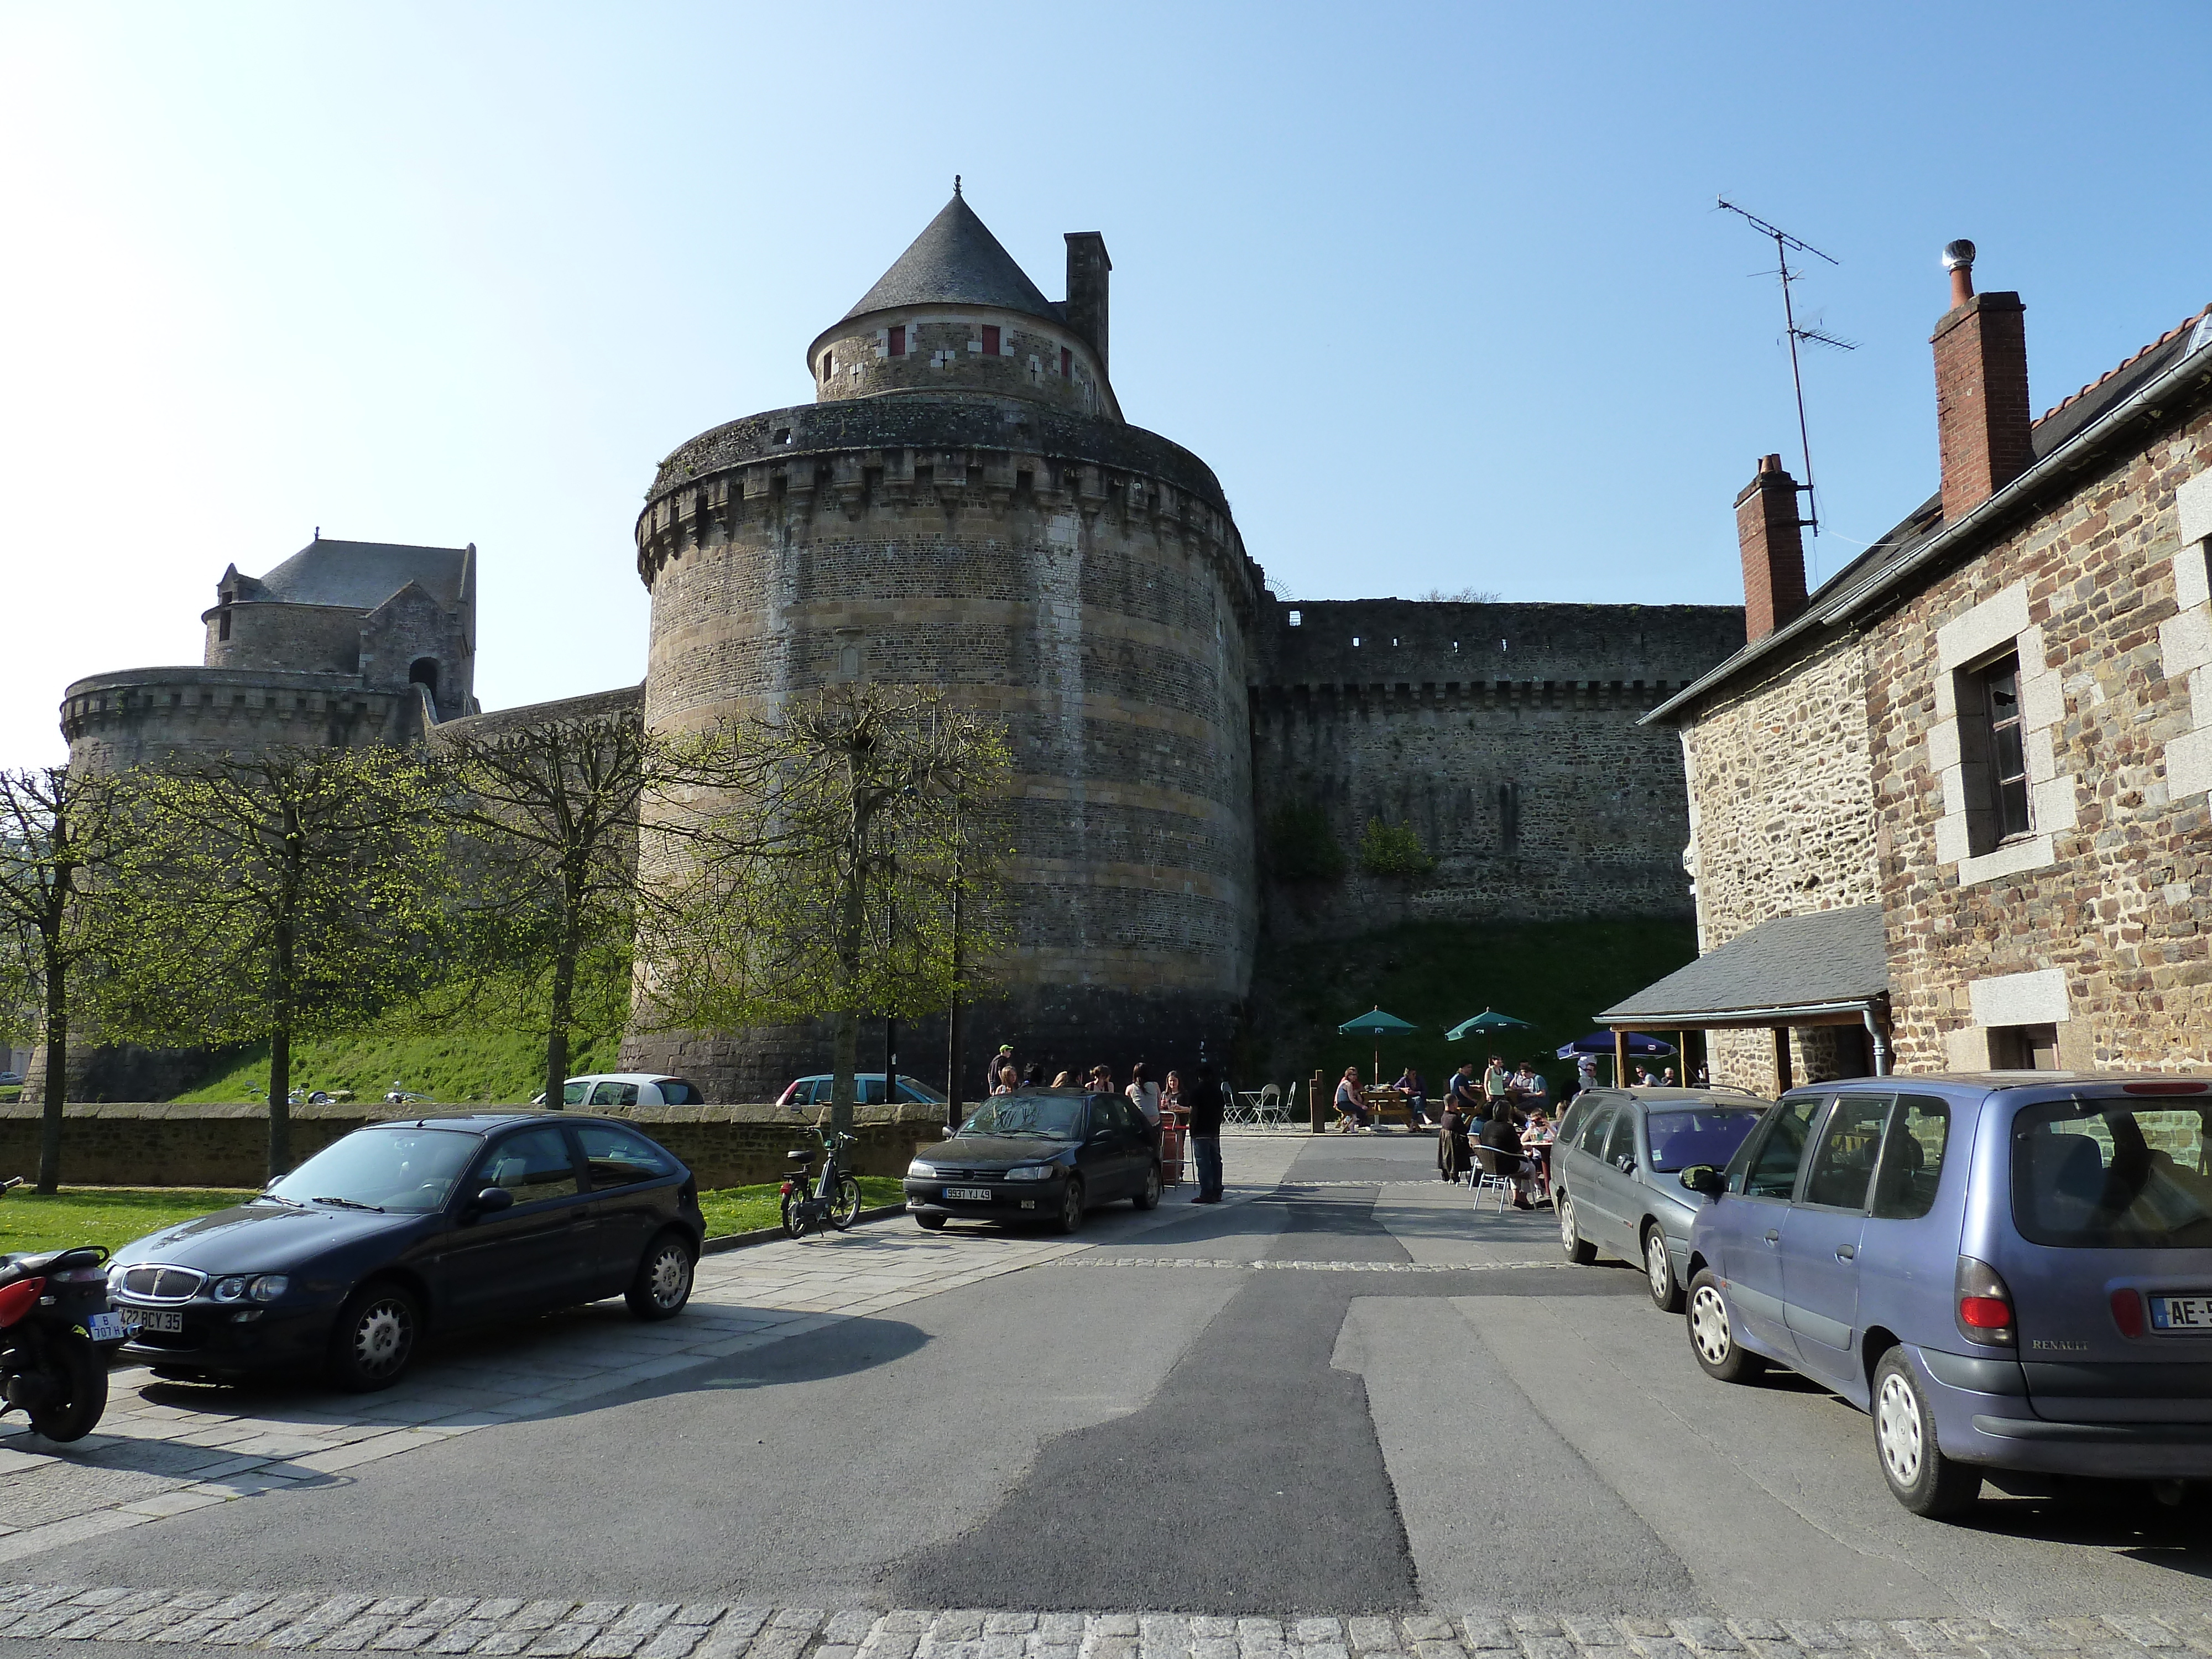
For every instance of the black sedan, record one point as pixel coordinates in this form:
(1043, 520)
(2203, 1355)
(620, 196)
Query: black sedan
(1045, 1155)
(400, 1228)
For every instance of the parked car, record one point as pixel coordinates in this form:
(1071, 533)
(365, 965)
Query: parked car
(1045, 1155)
(401, 1228)
(2009, 1273)
(1614, 1169)
(869, 1085)
(627, 1089)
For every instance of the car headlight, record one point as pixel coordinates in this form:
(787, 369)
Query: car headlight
(1031, 1172)
(229, 1290)
(919, 1171)
(270, 1286)
(115, 1279)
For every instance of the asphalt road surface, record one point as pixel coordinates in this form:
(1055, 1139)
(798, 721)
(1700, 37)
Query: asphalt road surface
(1433, 1411)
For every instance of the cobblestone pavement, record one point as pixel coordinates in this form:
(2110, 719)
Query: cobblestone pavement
(663, 1629)
(164, 1449)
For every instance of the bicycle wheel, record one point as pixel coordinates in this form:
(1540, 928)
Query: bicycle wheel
(794, 1215)
(845, 1208)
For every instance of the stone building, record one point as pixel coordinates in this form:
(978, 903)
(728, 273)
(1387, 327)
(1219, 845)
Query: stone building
(343, 643)
(964, 505)
(1979, 748)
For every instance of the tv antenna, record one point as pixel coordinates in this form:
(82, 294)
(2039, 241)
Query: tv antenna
(1784, 245)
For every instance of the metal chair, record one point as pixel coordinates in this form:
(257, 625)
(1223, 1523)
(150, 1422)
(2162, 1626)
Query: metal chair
(1268, 1107)
(1490, 1178)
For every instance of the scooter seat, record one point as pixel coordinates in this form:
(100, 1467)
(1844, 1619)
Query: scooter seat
(50, 1262)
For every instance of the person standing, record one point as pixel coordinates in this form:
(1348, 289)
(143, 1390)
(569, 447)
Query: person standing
(1145, 1094)
(1497, 1081)
(1455, 1158)
(1204, 1101)
(999, 1061)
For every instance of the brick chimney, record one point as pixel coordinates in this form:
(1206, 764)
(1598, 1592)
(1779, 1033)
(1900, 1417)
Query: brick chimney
(1982, 417)
(1767, 529)
(1087, 265)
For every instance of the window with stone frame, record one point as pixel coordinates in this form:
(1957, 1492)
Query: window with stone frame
(2024, 1047)
(1993, 751)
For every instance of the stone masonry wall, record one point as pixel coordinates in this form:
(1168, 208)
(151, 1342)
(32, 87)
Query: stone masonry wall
(176, 1146)
(1756, 855)
(127, 719)
(948, 352)
(1504, 734)
(2100, 921)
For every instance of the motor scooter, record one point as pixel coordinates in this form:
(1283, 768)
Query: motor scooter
(54, 1317)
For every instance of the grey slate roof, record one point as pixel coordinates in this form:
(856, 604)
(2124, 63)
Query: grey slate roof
(955, 261)
(1822, 957)
(363, 575)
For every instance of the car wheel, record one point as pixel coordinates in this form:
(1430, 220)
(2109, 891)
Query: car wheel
(663, 1284)
(1659, 1271)
(845, 1208)
(1580, 1250)
(930, 1224)
(1149, 1198)
(1070, 1219)
(1920, 1476)
(82, 1374)
(374, 1339)
(1712, 1335)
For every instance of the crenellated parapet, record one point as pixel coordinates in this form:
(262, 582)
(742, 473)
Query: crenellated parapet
(137, 716)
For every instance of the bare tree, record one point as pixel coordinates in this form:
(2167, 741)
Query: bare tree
(553, 811)
(820, 868)
(57, 837)
(265, 897)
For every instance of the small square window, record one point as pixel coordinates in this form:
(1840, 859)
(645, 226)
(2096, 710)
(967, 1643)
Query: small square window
(2024, 1047)
(1066, 363)
(990, 339)
(898, 340)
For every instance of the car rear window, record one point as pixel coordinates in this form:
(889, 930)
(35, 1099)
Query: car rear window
(2111, 1174)
(675, 1091)
(1708, 1134)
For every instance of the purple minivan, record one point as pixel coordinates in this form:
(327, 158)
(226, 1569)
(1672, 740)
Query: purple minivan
(2009, 1272)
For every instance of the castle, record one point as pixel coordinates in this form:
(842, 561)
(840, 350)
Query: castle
(964, 505)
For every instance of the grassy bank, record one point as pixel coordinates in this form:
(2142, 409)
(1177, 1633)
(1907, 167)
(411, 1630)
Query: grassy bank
(113, 1216)
(1555, 974)
(453, 1068)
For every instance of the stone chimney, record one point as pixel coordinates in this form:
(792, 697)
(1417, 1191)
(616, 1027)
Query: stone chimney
(1087, 265)
(1768, 531)
(1982, 417)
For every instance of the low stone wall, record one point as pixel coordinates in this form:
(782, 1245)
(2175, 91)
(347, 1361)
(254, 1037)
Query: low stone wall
(108, 1145)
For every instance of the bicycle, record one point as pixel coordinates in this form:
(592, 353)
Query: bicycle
(837, 1196)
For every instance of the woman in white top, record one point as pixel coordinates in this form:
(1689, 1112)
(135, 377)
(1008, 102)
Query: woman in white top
(1145, 1094)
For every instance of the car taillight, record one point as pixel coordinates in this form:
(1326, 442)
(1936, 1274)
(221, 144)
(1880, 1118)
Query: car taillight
(2128, 1313)
(1985, 1304)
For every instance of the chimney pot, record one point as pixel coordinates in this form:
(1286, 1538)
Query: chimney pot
(1771, 538)
(1959, 260)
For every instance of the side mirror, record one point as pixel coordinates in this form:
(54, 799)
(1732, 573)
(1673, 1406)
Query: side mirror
(1625, 1163)
(947, 1131)
(491, 1200)
(1705, 1179)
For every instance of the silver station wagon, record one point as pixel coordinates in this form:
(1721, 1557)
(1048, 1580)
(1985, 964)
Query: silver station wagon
(1615, 1169)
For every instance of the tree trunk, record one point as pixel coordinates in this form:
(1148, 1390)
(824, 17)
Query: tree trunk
(845, 1048)
(280, 1060)
(56, 1090)
(558, 1013)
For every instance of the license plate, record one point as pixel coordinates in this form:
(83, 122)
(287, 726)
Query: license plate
(153, 1319)
(2181, 1312)
(108, 1326)
(972, 1195)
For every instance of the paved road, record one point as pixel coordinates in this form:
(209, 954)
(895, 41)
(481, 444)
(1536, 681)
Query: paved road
(1345, 1395)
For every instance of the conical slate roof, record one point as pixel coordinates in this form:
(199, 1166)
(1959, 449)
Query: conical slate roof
(955, 261)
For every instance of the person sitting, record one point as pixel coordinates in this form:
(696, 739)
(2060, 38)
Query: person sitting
(1536, 1138)
(1533, 1088)
(1416, 1098)
(1065, 1080)
(1007, 1083)
(1504, 1141)
(1350, 1107)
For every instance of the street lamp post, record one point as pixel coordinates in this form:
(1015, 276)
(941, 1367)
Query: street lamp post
(955, 1062)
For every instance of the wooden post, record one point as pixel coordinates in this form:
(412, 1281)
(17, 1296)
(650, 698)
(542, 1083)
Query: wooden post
(1619, 1058)
(1317, 1099)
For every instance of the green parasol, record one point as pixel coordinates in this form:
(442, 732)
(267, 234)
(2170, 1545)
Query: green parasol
(1488, 1020)
(1378, 1026)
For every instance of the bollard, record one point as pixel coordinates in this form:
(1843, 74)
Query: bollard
(1317, 1100)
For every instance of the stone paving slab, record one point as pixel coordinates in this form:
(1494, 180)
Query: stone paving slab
(1312, 1267)
(306, 1621)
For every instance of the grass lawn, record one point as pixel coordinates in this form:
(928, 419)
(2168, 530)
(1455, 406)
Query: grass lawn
(451, 1067)
(742, 1209)
(112, 1216)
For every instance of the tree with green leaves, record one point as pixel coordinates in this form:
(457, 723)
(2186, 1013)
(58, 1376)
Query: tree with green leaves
(820, 868)
(294, 892)
(1393, 849)
(58, 837)
(551, 813)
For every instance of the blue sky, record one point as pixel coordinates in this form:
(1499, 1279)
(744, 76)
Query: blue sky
(1439, 292)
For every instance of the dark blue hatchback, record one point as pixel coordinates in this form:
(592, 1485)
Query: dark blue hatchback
(2008, 1271)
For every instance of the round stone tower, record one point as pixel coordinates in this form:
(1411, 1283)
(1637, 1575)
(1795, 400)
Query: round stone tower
(963, 506)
